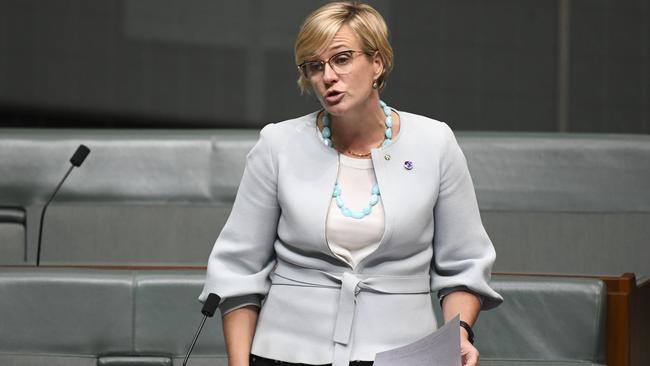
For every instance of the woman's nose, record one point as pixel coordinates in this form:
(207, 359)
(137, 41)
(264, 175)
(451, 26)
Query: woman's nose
(329, 75)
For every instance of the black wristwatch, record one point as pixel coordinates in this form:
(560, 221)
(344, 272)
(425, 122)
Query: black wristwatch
(470, 332)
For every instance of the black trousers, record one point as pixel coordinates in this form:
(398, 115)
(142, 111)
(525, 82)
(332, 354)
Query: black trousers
(261, 361)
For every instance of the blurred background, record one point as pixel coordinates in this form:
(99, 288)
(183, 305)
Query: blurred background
(549, 99)
(498, 65)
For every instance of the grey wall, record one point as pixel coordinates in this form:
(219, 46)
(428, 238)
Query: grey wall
(505, 65)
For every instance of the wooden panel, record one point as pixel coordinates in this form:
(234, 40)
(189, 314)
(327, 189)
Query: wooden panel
(641, 325)
(620, 292)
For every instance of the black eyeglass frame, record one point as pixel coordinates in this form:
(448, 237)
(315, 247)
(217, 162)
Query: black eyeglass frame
(302, 67)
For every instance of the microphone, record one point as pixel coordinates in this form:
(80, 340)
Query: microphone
(76, 160)
(209, 307)
(80, 155)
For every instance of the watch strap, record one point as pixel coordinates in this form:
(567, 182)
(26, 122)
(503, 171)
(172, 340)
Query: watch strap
(470, 332)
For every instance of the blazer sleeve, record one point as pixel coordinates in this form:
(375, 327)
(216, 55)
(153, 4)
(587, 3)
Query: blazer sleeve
(243, 256)
(463, 252)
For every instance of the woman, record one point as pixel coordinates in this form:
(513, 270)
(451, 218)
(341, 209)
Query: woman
(347, 218)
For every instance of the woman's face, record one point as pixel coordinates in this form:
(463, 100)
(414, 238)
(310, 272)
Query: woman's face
(339, 93)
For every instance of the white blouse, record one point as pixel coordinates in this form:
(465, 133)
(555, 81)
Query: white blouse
(353, 239)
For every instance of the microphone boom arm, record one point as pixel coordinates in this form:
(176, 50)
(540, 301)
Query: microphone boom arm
(76, 160)
(40, 227)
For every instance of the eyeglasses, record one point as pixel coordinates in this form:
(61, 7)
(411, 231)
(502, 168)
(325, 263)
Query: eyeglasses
(341, 63)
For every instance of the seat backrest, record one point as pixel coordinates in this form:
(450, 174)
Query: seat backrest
(65, 312)
(545, 319)
(86, 313)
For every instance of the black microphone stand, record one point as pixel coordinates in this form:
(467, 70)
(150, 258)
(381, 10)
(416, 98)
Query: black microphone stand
(209, 307)
(77, 158)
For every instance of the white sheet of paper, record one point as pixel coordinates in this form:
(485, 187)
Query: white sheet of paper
(440, 348)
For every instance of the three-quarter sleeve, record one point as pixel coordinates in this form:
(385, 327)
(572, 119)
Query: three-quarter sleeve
(463, 252)
(242, 257)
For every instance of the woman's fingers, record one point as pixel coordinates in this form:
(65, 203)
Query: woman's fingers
(469, 354)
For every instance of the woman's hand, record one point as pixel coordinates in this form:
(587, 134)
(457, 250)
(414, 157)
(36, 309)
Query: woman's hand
(468, 353)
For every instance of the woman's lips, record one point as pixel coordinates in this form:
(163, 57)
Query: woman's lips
(333, 98)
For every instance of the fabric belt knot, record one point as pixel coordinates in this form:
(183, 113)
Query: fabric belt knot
(351, 284)
(345, 318)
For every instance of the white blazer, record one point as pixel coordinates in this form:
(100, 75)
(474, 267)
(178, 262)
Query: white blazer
(317, 309)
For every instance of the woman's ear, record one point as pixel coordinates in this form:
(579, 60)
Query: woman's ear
(378, 65)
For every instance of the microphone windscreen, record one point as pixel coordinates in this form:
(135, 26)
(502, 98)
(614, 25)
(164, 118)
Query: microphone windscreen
(79, 155)
(210, 305)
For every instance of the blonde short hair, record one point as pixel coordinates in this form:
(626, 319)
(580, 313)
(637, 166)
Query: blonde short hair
(320, 27)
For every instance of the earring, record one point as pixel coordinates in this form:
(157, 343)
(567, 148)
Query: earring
(374, 84)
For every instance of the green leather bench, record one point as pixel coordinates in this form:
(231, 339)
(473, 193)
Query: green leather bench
(89, 317)
(544, 321)
(160, 197)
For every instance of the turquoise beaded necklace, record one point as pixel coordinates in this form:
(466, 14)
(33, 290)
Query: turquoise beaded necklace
(374, 192)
